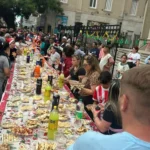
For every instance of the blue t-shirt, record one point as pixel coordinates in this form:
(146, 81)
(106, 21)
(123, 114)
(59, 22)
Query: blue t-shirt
(95, 52)
(97, 141)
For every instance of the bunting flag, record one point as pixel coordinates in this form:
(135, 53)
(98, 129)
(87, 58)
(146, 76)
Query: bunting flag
(115, 39)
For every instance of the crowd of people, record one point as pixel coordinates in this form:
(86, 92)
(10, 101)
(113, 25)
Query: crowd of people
(115, 103)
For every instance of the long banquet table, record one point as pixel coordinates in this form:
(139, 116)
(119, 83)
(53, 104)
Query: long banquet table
(21, 107)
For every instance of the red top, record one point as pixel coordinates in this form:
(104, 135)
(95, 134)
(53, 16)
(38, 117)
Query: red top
(67, 66)
(100, 95)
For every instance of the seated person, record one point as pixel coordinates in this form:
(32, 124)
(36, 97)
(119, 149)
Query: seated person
(77, 71)
(100, 95)
(54, 55)
(147, 60)
(122, 66)
(111, 120)
(134, 58)
(134, 106)
(67, 60)
(57, 65)
(90, 81)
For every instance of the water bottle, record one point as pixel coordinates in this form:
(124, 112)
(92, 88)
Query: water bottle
(79, 109)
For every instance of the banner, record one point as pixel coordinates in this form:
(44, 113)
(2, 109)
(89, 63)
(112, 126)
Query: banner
(63, 20)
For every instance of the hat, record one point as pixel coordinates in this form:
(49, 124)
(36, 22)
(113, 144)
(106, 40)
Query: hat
(64, 37)
(10, 40)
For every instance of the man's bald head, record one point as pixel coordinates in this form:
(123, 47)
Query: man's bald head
(135, 86)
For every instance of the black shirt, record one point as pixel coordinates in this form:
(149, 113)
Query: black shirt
(12, 58)
(109, 116)
(75, 74)
(57, 67)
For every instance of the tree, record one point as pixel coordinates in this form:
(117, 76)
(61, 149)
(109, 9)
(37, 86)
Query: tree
(10, 8)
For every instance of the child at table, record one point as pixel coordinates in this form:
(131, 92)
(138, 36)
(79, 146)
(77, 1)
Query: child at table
(100, 95)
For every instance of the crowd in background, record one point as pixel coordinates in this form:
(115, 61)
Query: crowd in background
(93, 68)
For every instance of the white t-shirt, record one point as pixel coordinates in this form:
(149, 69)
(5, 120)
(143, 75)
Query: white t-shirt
(54, 57)
(133, 57)
(122, 68)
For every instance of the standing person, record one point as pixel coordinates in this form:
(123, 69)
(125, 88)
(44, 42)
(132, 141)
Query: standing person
(94, 51)
(4, 67)
(134, 106)
(63, 42)
(78, 50)
(101, 53)
(106, 61)
(134, 58)
(90, 81)
(52, 43)
(110, 122)
(13, 51)
(42, 46)
(122, 66)
(47, 44)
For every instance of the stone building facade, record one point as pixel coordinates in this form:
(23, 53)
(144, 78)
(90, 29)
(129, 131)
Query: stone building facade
(94, 12)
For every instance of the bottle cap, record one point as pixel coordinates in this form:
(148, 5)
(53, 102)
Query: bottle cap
(55, 107)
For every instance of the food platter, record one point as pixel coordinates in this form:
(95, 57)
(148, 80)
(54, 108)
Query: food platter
(8, 125)
(4, 147)
(16, 115)
(22, 131)
(46, 146)
(31, 123)
(26, 116)
(9, 138)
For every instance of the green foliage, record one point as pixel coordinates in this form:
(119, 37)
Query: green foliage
(10, 8)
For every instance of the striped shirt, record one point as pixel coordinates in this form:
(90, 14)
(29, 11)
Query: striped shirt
(100, 95)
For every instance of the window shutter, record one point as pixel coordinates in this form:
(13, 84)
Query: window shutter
(134, 7)
(64, 1)
(108, 5)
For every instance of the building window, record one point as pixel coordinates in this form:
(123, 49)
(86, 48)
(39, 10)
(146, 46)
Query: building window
(64, 1)
(93, 3)
(108, 5)
(134, 7)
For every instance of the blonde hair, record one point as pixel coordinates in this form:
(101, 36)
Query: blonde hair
(135, 84)
(93, 62)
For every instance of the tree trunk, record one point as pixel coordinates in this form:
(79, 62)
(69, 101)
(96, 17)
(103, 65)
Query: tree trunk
(10, 20)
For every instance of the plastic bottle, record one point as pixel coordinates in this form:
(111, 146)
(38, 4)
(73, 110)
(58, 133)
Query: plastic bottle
(37, 71)
(61, 80)
(25, 51)
(31, 55)
(28, 58)
(79, 110)
(53, 124)
(38, 86)
(47, 93)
